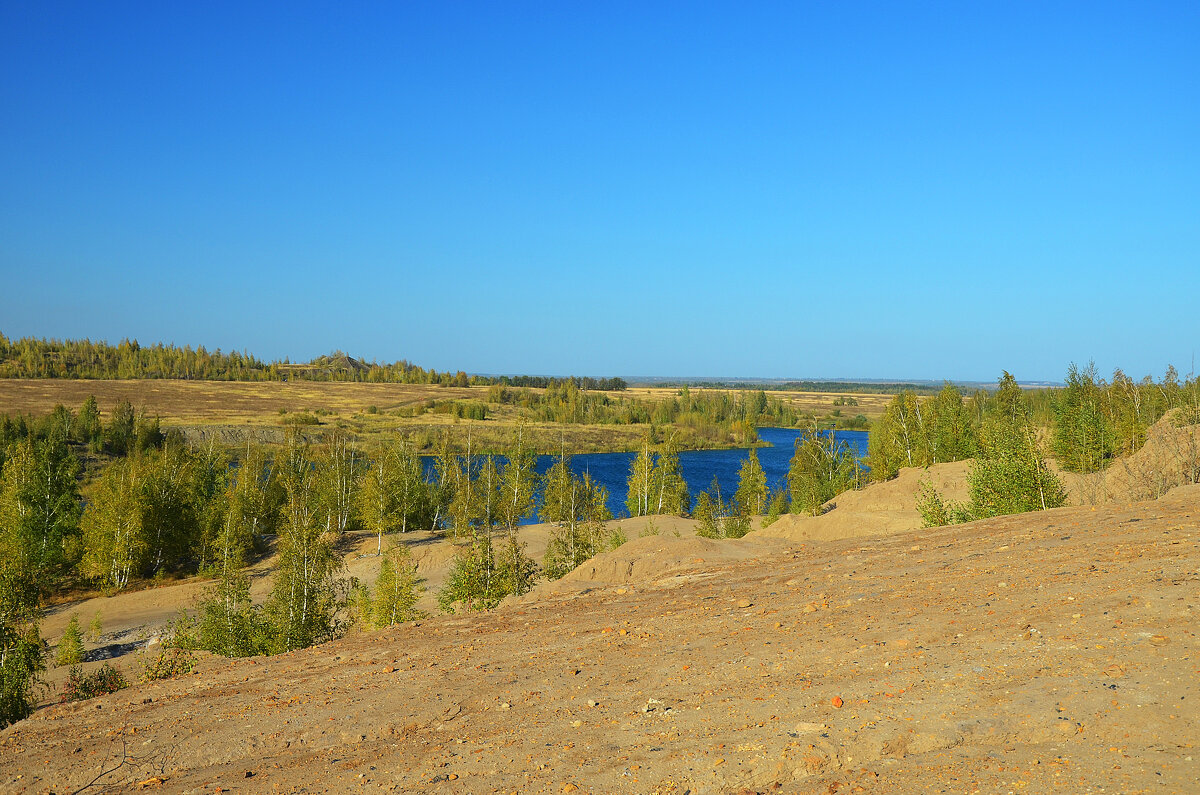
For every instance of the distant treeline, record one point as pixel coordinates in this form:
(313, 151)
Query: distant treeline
(40, 358)
(570, 403)
(805, 386)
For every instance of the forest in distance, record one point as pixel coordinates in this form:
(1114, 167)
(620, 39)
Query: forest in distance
(102, 502)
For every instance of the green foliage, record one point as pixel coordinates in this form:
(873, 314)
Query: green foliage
(718, 518)
(88, 427)
(80, 686)
(950, 431)
(1082, 438)
(821, 468)
(338, 466)
(144, 519)
(395, 597)
(227, 622)
(655, 484)
(518, 481)
(114, 545)
(21, 659)
(778, 505)
(578, 507)
(1010, 473)
(572, 545)
(95, 628)
(306, 593)
(917, 433)
(168, 663)
(70, 645)
(480, 576)
(121, 434)
(39, 505)
(752, 494)
(935, 510)
(516, 571)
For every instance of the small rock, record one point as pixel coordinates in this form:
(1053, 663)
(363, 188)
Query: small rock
(504, 705)
(593, 703)
(837, 702)
(810, 609)
(1159, 640)
(745, 603)
(804, 727)
(575, 724)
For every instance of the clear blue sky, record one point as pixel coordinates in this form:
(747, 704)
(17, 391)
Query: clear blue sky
(915, 190)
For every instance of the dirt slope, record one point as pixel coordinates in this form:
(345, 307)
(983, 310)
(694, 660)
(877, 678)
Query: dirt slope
(879, 508)
(1035, 653)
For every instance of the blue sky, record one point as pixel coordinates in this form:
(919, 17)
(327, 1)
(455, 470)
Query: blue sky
(882, 190)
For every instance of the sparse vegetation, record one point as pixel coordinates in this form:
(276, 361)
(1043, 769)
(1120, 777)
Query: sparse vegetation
(168, 663)
(822, 467)
(70, 645)
(81, 686)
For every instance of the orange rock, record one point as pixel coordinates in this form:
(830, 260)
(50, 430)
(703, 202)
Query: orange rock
(837, 702)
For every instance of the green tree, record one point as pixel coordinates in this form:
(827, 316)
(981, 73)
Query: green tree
(114, 541)
(517, 484)
(21, 659)
(169, 519)
(411, 490)
(339, 467)
(951, 433)
(70, 645)
(39, 504)
(718, 517)
(88, 428)
(821, 468)
(668, 482)
(898, 438)
(751, 494)
(395, 598)
(640, 486)
(378, 497)
(1082, 439)
(121, 432)
(305, 596)
(1009, 474)
(580, 531)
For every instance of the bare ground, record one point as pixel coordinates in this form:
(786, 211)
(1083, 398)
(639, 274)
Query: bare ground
(1050, 652)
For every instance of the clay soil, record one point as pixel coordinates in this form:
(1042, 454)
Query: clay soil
(1049, 652)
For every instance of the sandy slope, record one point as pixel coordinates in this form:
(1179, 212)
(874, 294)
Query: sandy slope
(1035, 653)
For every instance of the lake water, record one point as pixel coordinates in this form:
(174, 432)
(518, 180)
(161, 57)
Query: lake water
(699, 467)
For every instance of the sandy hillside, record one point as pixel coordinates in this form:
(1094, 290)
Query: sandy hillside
(878, 508)
(1051, 652)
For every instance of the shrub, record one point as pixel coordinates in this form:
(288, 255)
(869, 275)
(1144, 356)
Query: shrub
(80, 686)
(70, 647)
(95, 628)
(936, 511)
(167, 664)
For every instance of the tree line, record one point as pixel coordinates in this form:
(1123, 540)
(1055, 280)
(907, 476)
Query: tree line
(29, 357)
(1089, 422)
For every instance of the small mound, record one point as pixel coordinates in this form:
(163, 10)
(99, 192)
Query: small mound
(645, 560)
(880, 508)
(1169, 458)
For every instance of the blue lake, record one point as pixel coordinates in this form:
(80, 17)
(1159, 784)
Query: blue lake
(699, 467)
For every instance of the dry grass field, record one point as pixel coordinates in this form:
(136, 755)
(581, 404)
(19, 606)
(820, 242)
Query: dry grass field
(229, 411)
(870, 405)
